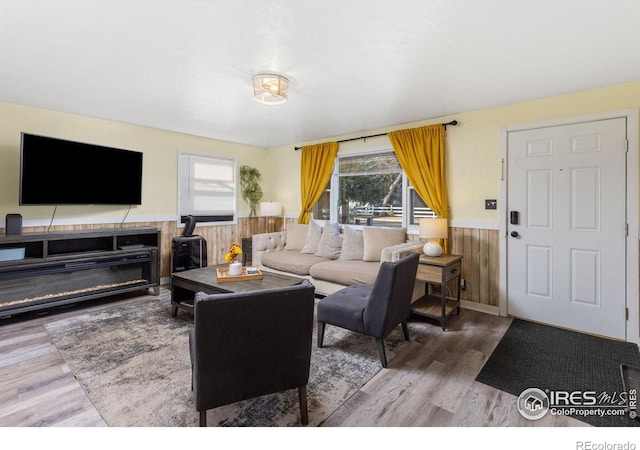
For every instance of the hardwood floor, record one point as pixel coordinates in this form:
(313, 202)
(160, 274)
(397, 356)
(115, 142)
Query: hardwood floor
(431, 383)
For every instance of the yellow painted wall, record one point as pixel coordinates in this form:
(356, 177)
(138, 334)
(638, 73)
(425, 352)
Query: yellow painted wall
(473, 154)
(473, 147)
(160, 160)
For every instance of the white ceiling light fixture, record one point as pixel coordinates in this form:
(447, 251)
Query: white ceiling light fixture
(270, 89)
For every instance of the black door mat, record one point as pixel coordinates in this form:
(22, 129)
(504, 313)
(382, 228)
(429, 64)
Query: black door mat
(554, 361)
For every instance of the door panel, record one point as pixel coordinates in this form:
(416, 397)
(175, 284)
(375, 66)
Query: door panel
(539, 271)
(585, 277)
(585, 199)
(539, 198)
(566, 264)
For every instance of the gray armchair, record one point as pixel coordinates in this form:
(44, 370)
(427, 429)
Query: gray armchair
(373, 310)
(248, 344)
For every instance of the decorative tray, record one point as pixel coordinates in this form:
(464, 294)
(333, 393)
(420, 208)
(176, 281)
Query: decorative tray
(248, 274)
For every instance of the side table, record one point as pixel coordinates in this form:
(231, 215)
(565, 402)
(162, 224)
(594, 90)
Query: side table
(438, 271)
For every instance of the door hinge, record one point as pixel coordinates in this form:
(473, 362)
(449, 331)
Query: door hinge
(626, 145)
(626, 228)
(626, 313)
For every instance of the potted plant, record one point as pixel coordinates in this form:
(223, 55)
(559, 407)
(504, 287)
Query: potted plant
(250, 189)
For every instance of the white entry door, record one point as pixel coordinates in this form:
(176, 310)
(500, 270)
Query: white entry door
(566, 242)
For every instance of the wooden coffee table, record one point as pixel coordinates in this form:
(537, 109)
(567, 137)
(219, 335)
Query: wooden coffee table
(184, 285)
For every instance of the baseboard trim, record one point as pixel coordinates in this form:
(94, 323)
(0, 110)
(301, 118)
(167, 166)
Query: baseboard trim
(489, 309)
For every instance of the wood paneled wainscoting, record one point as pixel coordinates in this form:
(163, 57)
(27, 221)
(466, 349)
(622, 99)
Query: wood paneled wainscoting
(479, 248)
(480, 267)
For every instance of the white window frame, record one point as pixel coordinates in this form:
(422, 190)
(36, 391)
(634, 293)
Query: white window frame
(185, 187)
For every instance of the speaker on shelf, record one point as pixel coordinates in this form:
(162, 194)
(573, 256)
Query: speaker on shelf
(13, 224)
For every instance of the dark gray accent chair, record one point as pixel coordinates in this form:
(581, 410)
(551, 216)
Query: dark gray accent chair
(373, 310)
(244, 345)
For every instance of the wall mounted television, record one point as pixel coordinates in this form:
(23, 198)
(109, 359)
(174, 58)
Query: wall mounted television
(60, 172)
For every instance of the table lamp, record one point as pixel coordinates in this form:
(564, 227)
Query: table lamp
(433, 229)
(270, 209)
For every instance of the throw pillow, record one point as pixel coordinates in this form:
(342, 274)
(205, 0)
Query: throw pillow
(330, 243)
(296, 236)
(352, 244)
(333, 228)
(376, 238)
(312, 239)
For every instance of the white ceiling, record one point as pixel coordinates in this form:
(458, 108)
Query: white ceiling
(354, 65)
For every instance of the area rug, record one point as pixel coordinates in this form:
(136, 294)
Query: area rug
(133, 363)
(531, 355)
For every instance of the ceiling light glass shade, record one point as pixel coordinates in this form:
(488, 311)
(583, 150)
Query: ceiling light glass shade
(270, 89)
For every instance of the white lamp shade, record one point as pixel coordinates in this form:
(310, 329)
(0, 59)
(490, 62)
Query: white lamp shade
(433, 229)
(270, 208)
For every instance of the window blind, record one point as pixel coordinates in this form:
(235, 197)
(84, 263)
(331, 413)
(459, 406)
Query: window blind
(207, 187)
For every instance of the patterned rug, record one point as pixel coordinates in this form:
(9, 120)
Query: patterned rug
(133, 363)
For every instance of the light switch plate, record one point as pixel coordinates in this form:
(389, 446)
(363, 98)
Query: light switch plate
(490, 204)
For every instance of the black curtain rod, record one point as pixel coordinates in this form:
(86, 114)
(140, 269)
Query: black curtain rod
(453, 123)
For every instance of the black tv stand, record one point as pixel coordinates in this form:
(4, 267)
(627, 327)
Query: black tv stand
(67, 267)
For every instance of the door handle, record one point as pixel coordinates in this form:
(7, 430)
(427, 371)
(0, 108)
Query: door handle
(515, 234)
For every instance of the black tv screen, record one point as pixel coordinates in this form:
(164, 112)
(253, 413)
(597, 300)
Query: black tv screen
(60, 172)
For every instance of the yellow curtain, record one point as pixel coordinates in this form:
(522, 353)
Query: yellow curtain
(316, 167)
(420, 152)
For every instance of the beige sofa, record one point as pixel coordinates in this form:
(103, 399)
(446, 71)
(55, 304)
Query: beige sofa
(331, 257)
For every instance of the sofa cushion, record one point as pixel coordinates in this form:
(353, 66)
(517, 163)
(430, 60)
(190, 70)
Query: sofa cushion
(312, 238)
(296, 236)
(346, 272)
(291, 261)
(352, 244)
(376, 238)
(330, 243)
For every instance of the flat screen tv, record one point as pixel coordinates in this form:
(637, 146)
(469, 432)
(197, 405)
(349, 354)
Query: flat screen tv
(60, 172)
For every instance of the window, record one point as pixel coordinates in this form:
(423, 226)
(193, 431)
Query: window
(322, 209)
(418, 209)
(371, 189)
(206, 188)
